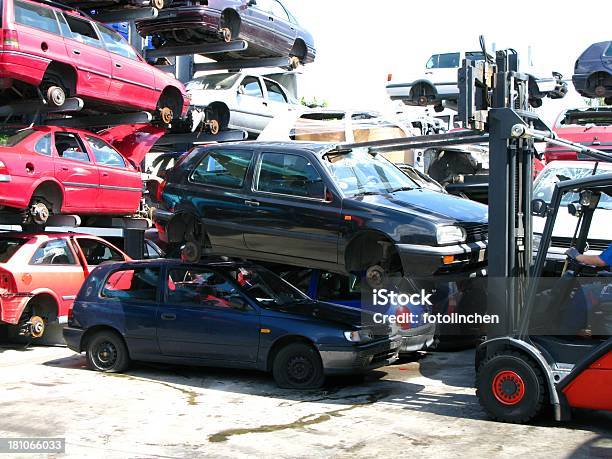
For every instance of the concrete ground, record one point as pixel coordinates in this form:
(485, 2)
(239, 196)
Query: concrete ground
(424, 407)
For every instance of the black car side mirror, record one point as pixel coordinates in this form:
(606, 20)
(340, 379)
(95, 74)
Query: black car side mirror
(539, 208)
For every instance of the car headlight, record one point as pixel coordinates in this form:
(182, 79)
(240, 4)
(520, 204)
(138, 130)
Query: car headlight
(537, 239)
(358, 336)
(450, 235)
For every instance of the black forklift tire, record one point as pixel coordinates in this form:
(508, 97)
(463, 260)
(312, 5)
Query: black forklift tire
(298, 366)
(510, 387)
(106, 352)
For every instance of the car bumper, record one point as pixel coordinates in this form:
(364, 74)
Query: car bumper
(73, 338)
(417, 339)
(359, 359)
(423, 261)
(197, 17)
(21, 66)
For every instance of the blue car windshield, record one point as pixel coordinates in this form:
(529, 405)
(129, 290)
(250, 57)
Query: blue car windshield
(358, 172)
(546, 181)
(266, 288)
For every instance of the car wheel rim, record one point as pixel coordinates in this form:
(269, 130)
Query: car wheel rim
(105, 355)
(508, 388)
(299, 369)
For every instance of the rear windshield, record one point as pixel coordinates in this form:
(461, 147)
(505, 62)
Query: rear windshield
(9, 137)
(8, 247)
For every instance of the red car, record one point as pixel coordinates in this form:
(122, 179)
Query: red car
(40, 275)
(591, 127)
(54, 170)
(65, 54)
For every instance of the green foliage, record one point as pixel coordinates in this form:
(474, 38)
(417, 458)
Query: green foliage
(314, 103)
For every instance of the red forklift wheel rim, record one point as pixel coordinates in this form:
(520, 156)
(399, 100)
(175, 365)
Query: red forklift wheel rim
(503, 396)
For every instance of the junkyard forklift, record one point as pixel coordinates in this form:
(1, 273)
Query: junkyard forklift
(520, 369)
(562, 352)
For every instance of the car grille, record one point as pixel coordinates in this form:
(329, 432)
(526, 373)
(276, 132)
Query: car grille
(476, 231)
(566, 243)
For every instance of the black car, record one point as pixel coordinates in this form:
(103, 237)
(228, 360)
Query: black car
(318, 205)
(593, 72)
(221, 314)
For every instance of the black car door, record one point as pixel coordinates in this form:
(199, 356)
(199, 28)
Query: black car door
(204, 316)
(293, 210)
(217, 191)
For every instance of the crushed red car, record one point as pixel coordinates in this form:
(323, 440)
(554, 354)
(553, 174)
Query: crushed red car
(589, 126)
(41, 273)
(57, 53)
(47, 170)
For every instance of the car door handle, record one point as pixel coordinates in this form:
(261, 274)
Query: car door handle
(118, 65)
(76, 51)
(168, 316)
(270, 18)
(64, 168)
(104, 174)
(265, 103)
(252, 203)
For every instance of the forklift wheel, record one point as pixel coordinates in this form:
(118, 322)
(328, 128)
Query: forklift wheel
(510, 387)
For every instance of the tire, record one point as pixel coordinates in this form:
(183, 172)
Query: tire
(510, 387)
(106, 352)
(298, 366)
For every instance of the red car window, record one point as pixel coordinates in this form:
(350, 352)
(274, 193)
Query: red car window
(54, 252)
(36, 16)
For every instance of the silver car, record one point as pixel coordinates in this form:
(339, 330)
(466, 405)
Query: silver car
(241, 100)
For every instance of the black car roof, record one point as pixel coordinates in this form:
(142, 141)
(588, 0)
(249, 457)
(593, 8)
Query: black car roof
(318, 148)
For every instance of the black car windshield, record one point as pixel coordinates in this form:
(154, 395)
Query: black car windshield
(9, 137)
(545, 183)
(219, 81)
(9, 246)
(265, 287)
(358, 172)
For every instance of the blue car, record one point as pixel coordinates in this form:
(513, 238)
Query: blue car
(593, 72)
(221, 314)
(347, 291)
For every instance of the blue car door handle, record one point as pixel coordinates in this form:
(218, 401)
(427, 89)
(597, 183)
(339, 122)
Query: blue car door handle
(168, 316)
(252, 203)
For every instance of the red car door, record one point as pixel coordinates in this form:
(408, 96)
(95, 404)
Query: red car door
(133, 81)
(77, 172)
(56, 267)
(120, 183)
(38, 34)
(88, 55)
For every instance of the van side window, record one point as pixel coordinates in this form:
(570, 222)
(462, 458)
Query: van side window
(83, 31)
(36, 16)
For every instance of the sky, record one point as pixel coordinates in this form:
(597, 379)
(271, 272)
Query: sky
(359, 42)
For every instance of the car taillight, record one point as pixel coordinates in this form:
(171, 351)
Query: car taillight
(4, 173)
(10, 39)
(7, 282)
(70, 314)
(160, 191)
(389, 77)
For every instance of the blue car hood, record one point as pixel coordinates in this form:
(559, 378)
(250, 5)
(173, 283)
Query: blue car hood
(428, 204)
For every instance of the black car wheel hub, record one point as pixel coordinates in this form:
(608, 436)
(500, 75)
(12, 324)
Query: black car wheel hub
(299, 369)
(105, 355)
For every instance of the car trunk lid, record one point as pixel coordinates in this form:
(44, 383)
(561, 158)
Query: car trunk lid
(133, 141)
